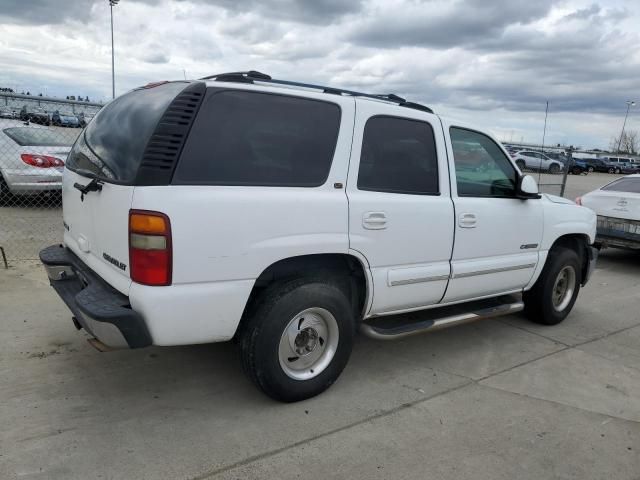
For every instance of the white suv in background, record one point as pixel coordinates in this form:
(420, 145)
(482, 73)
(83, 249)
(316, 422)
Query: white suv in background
(287, 216)
(529, 160)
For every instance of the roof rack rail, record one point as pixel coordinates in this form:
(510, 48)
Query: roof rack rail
(252, 75)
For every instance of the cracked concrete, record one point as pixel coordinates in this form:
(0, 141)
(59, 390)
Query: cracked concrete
(495, 399)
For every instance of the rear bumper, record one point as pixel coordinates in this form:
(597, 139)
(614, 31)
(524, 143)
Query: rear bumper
(101, 310)
(29, 181)
(618, 232)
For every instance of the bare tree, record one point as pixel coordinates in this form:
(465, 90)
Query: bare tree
(630, 142)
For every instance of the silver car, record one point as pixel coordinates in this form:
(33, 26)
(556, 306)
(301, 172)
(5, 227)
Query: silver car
(32, 159)
(526, 159)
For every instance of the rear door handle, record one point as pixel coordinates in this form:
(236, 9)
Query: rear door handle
(374, 220)
(467, 220)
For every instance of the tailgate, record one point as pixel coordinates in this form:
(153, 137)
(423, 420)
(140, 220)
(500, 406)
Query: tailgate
(97, 229)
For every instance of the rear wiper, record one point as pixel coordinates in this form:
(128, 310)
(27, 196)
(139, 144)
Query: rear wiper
(94, 185)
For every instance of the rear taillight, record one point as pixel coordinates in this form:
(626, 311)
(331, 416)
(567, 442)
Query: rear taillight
(150, 247)
(41, 161)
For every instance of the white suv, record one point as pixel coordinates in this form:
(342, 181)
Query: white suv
(286, 216)
(526, 159)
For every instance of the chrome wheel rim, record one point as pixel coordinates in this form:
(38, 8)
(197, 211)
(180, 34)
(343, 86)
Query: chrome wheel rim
(308, 343)
(563, 288)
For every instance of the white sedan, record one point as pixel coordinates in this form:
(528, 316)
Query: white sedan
(617, 205)
(32, 159)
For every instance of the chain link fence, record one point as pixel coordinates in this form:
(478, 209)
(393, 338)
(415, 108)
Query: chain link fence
(36, 134)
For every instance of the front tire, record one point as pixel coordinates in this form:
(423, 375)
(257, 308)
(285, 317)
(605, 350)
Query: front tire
(554, 293)
(297, 338)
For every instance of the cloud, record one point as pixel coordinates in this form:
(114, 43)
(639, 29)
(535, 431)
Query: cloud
(312, 12)
(42, 11)
(495, 63)
(584, 13)
(443, 23)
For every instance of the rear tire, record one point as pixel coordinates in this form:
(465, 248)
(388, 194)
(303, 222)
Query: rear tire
(554, 293)
(553, 168)
(297, 338)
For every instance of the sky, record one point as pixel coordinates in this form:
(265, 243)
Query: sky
(494, 63)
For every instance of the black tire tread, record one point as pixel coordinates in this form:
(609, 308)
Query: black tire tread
(536, 307)
(254, 324)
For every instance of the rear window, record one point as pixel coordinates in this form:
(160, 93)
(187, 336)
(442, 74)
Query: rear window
(119, 132)
(39, 137)
(260, 139)
(629, 185)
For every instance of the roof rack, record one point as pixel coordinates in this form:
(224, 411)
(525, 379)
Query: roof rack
(252, 76)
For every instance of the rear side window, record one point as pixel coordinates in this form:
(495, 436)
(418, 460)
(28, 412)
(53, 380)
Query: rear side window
(118, 134)
(628, 184)
(260, 139)
(398, 156)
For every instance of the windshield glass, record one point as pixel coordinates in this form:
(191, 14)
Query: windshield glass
(628, 184)
(38, 137)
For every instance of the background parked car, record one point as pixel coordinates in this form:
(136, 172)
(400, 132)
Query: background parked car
(577, 166)
(618, 208)
(84, 118)
(596, 164)
(31, 160)
(64, 119)
(8, 113)
(527, 159)
(628, 167)
(35, 115)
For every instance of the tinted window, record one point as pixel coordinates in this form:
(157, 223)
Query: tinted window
(398, 156)
(119, 132)
(629, 185)
(249, 138)
(38, 137)
(482, 169)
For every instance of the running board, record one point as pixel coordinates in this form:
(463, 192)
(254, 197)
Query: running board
(401, 326)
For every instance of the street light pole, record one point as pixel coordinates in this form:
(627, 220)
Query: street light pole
(113, 3)
(630, 103)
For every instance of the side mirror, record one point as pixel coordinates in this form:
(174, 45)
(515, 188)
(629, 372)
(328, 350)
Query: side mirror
(527, 187)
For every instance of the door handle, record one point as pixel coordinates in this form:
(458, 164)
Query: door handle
(467, 220)
(374, 220)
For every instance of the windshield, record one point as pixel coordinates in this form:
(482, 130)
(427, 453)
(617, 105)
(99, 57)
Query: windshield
(628, 184)
(38, 137)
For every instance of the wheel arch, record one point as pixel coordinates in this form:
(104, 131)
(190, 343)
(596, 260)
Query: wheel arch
(350, 270)
(579, 242)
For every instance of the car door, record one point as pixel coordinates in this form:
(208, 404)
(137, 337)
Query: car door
(400, 209)
(497, 236)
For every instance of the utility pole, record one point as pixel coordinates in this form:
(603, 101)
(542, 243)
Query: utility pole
(630, 103)
(113, 3)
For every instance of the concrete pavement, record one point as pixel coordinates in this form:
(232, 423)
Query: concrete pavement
(496, 399)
